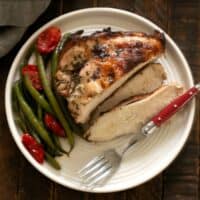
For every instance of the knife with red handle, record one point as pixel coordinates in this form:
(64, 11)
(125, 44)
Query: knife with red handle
(170, 109)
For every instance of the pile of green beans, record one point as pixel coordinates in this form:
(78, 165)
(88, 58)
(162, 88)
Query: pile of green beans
(30, 118)
(39, 130)
(52, 100)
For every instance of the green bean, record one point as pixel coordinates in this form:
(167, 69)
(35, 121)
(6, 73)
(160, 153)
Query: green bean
(18, 120)
(24, 124)
(23, 120)
(29, 127)
(54, 62)
(15, 106)
(21, 124)
(53, 153)
(32, 118)
(39, 113)
(72, 124)
(58, 145)
(28, 98)
(53, 162)
(52, 100)
(54, 58)
(62, 42)
(39, 98)
(53, 136)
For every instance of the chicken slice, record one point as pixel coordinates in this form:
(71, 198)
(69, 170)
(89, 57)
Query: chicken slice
(130, 118)
(144, 82)
(92, 67)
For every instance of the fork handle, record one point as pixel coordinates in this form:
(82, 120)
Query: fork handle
(170, 110)
(174, 106)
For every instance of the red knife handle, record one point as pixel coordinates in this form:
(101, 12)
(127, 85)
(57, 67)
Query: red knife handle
(174, 106)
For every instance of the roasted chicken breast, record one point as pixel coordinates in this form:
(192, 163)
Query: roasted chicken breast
(144, 82)
(129, 118)
(92, 67)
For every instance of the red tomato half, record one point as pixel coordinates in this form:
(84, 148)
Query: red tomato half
(53, 125)
(48, 40)
(34, 148)
(32, 72)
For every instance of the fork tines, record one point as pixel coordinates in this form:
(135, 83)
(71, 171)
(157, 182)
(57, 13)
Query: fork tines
(95, 171)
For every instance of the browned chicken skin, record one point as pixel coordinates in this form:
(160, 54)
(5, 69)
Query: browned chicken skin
(92, 67)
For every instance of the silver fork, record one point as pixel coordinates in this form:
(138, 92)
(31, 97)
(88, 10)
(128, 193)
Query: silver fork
(98, 170)
(102, 167)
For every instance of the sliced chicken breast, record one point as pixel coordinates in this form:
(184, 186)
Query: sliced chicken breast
(130, 118)
(92, 67)
(144, 82)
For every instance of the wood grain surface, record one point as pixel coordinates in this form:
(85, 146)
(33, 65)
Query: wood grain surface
(180, 181)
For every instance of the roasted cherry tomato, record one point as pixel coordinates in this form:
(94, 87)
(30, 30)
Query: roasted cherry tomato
(53, 125)
(48, 40)
(34, 148)
(32, 72)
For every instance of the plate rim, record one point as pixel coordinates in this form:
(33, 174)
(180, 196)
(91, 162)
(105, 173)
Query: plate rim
(61, 180)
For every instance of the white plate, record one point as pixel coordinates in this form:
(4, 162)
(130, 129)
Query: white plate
(149, 157)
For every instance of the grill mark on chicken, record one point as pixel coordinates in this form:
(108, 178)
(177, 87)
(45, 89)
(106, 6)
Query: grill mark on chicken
(99, 61)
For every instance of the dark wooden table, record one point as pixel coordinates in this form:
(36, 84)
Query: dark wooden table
(19, 180)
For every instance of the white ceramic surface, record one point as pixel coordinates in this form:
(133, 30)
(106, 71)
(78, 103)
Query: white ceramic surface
(149, 157)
